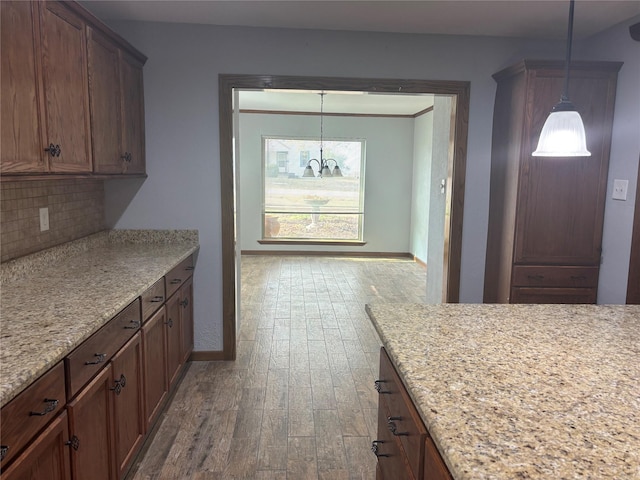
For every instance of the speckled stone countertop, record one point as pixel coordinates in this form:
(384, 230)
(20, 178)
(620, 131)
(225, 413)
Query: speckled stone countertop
(54, 300)
(522, 391)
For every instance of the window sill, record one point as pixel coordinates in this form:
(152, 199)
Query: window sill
(343, 243)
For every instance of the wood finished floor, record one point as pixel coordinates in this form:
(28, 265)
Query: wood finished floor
(298, 403)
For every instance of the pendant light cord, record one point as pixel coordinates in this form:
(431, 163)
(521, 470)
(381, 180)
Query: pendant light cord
(321, 126)
(565, 93)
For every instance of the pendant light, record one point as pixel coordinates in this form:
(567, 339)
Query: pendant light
(323, 165)
(563, 133)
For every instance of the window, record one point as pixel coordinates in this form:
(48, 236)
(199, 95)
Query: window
(313, 208)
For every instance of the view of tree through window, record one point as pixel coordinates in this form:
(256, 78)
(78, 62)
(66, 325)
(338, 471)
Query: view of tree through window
(312, 208)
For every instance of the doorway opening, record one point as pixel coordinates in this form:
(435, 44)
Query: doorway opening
(459, 94)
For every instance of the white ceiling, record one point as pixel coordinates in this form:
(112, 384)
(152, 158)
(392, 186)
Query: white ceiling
(505, 18)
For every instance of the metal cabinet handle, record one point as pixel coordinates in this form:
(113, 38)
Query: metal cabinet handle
(175, 281)
(119, 384)
(378, 386)
(126, 157)
(157, 298)
(134, 325)
(578, 277)
(51, 405)
(54, 150)
(170, 323)
(4, 449)
(100, 358)
(184, 303)
(190, 268)
(393, 428)
(535, 277)
(73, 443)
(376, 450)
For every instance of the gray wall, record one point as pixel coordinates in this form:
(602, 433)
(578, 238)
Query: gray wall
(181, 102)
(388, 175)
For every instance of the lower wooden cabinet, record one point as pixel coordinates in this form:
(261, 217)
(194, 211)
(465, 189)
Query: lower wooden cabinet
(47, 457)
(186, 319)
(174, 342)
(403, 447)
(91, 427)
(128, 403)
(156, 384)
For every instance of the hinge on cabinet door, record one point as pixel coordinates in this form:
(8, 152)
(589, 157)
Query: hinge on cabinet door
(443, 185)
(4, 449)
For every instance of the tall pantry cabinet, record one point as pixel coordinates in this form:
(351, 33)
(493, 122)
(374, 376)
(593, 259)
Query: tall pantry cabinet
(546, 213)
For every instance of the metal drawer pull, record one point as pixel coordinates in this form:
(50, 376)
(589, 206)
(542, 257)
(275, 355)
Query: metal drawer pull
(393, 428)
(54, 150)
(184, 303)
(190, 268)
(134, 325)
(170, 323)
(375, 448)
(51, 406)
(378, 386)
(175, 281)
(119, 384)
(126, 157)
(157, 298)
(74, 443)
(100, 358)
(4, 449)
(535, 277)
(578, 277)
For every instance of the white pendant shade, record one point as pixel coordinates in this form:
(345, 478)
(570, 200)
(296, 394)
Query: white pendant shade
(562, 136)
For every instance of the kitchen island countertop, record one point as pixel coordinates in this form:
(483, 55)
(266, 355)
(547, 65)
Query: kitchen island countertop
(54, 300)
(522, 391)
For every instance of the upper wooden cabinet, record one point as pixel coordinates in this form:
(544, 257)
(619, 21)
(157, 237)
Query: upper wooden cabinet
(117, 107)
(72, 95)
(66, 97)
(546, 213)
(21, 89)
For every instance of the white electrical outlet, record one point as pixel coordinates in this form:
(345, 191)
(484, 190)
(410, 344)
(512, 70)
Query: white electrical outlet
(620, 189)
(44, 219)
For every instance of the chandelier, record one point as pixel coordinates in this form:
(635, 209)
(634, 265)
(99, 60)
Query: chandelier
(324, 170)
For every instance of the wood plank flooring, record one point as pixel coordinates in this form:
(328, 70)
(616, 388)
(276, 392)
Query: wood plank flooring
(298, 403)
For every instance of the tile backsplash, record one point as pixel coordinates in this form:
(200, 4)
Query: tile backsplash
(76, 209)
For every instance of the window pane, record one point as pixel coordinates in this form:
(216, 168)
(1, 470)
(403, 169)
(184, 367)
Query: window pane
(296, 199)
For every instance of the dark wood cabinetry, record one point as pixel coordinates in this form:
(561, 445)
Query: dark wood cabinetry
(546, 214)
(117, 107)
(72, 94)
(21, 89)
(46, 458)
(403, 446)
(154, 339)
(66, 97)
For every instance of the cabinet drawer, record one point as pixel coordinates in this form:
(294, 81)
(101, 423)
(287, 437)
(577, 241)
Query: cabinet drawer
(176, 277)
(392, 462)
(554, 276)
(553, 295)
(31, 410)
(403, 420)
(152, 299)
(89, 358)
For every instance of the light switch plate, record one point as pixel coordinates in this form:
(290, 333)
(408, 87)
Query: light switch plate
(44, 219)
(620, 189)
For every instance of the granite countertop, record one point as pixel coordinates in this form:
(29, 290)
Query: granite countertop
(522, 391)
(54, 300)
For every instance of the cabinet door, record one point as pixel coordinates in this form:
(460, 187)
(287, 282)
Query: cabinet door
(561, 201)
(20, 91)
(91, 422)
(104, 97)
(154, 349)
(128, 402)
(64, 70)
(132, 114)
(174, 342)
(186, 320)
(47, 458)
